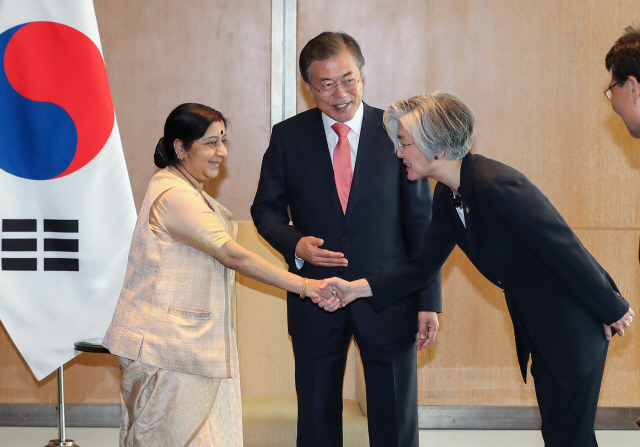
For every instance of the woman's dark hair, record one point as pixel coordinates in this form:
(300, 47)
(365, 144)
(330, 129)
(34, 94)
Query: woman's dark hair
(187, 122)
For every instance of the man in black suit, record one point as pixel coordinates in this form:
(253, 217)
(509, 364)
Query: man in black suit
(623, 61)
(362, 218)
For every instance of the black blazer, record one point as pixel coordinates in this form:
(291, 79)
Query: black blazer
(557, 294)
(386, 218)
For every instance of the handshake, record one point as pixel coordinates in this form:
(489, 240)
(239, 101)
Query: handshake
(333, 293)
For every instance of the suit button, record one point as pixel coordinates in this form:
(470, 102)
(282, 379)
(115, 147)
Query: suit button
(340, 272)
(345, 239)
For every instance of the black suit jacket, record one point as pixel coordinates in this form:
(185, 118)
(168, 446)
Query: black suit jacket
(557, 294)
(386, 219)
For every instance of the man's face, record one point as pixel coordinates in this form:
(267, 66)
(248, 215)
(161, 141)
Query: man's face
(341, 104)
(625, 101)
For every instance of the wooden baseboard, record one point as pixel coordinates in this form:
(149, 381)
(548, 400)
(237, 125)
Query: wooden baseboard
(515, 418)
(46, 415)
(451, 418)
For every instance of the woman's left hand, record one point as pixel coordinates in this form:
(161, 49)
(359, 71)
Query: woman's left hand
(619, 325)
(428, 329)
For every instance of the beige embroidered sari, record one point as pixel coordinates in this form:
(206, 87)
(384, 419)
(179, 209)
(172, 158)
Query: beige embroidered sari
(167, 406)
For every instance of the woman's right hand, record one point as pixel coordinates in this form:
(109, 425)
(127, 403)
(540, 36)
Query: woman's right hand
(322, 296)
(347, 291)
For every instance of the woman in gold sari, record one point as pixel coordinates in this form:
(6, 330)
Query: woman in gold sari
(172, 330)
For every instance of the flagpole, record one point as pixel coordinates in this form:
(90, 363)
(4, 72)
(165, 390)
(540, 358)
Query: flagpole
(62, 441)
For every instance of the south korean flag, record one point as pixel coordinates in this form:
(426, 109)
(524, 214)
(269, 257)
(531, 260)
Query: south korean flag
(66, 208)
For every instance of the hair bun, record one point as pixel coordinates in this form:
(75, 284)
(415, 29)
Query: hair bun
(160, 156)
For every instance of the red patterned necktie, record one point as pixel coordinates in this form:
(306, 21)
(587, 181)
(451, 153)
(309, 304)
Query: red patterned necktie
(342, 164)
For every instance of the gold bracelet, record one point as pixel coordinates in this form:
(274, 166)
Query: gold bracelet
(304, 289)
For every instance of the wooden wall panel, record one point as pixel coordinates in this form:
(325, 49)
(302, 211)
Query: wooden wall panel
(89, 379)
(217, 52)
(617, 251)
(473, 360)
(533, 73)
(159, 54)
(392, 38)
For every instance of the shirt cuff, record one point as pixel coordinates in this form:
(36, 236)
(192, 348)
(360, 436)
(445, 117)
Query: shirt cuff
(299, 262)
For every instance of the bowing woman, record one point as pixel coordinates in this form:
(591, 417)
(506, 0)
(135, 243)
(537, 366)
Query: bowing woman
(562, 303)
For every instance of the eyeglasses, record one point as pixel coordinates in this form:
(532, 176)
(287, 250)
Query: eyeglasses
(401, 146)
(607, 92)
(329, 88)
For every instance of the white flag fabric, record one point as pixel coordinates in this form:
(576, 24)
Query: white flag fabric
(66, 207)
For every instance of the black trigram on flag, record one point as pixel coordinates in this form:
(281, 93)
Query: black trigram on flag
(12, 245)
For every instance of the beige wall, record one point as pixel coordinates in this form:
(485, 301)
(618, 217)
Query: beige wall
(159, 54)
(162, 53)
(533, 73)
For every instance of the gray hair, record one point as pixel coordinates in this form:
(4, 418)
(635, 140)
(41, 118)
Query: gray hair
(435, 122)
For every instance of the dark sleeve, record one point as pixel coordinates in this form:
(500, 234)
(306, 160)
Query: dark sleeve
(416, 205)
(270, 209)
(423, 267)
(540, 226)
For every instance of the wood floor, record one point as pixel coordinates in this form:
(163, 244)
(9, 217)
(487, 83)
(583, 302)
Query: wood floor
(108, 437)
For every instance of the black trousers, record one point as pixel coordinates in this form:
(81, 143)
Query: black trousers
(391, 383)
(568, 412)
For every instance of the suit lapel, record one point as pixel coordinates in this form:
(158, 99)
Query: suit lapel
(466, 189)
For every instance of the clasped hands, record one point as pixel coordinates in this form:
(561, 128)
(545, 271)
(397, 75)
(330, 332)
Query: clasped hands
(333, 293)
(330, 294)
(619, 325)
